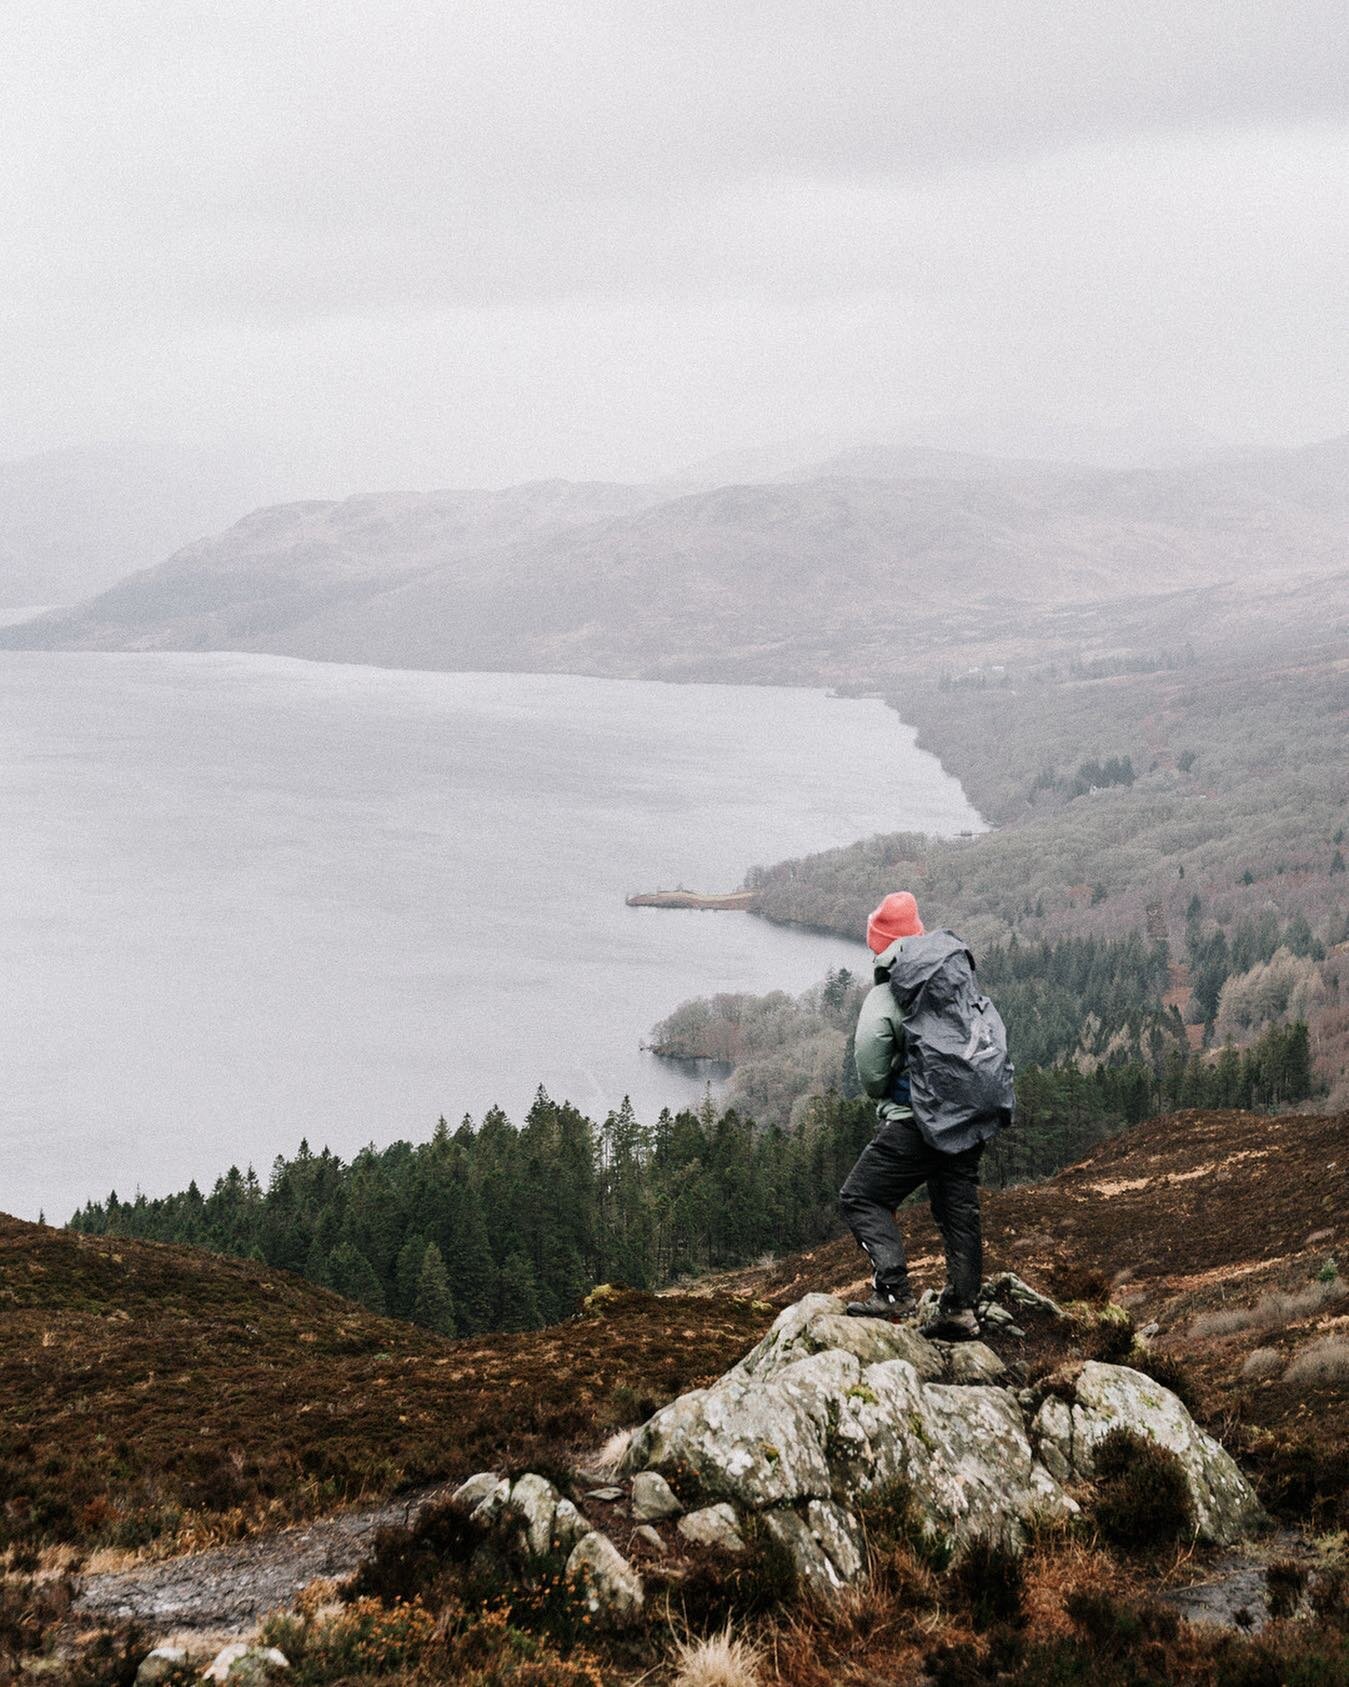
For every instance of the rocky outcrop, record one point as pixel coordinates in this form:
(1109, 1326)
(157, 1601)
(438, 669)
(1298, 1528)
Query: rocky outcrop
(832, 1409)
(1066, 1433)
(830, 1414)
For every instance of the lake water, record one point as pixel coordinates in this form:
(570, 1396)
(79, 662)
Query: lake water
(247, 899)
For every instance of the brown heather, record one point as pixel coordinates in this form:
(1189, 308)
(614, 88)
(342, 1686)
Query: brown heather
(162, 1394)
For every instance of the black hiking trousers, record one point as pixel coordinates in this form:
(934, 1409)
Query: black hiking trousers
(892, 1165)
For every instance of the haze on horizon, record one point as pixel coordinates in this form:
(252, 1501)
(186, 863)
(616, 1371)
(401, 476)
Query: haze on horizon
(405, 246)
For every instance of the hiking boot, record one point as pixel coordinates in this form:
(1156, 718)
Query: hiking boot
(896, 1307)
(951, 1326)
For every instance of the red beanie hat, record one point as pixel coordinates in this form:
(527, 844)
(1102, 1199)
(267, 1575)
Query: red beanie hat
(897, 916)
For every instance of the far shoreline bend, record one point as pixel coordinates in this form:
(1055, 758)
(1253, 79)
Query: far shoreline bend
(725, 901)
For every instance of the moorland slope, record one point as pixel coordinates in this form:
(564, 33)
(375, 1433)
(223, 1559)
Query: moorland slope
(159, 1394)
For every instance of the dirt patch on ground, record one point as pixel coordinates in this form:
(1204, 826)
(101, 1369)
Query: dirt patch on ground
(228, 1590)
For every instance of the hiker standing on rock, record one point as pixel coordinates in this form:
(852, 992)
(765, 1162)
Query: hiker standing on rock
(933, 1052)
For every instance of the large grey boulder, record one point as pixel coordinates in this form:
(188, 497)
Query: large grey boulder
(798, 1421)
(825, 1416)
(963, 1452)
(759, 1443)
(1107, 1397)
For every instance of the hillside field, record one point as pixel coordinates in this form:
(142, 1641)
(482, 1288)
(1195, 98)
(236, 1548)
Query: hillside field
(158, 1395)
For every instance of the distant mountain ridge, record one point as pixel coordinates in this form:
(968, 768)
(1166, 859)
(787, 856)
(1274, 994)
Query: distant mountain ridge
(74, 521)
(777, 576)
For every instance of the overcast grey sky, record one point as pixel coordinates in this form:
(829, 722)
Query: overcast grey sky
(431, 242)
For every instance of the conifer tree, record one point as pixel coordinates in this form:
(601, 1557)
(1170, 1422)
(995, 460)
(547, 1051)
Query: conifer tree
(316, 1265)
(354, 1276)
(518, 1296)
(407, 1272)
(432, 1306)
(468, 1258)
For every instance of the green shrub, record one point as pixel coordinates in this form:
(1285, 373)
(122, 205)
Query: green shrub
(725, 1587)
(365, 1638)
(1142, 1499)
(1171, 1372)
(406, 1564)
(891, 1519)
(991, 1577)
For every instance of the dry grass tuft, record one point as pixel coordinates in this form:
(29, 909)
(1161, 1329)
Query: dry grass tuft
(1323, 1361)
(1263, 1362)
(1063, 1566)
(1271, 1311)
(719, 1660)
(607, 1461)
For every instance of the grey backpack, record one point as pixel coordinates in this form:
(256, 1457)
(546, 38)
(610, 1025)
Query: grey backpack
(960, 1073)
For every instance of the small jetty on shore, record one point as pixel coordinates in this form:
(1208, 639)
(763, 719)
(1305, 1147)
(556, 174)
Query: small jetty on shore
(728, 900)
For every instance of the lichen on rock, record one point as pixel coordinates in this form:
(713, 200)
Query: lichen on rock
(828, 1413)
(1107, 1397)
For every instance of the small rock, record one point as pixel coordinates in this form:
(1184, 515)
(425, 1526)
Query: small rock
(569, 1526)
(1020, 1293)
(998, 1316)
(469, 1495)
(605, 1494)
(534, 1501)
(160, 1664)
(489, 1509)
(714, 1525)
(973, 1362)
(815, 1568)
(611, 1588)
(652, 1497)
(650, 1537)
(246, 1665)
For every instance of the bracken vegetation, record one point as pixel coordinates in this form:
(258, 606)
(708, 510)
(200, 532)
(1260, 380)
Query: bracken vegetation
(158, 1395)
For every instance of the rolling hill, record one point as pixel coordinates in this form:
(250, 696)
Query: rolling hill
(910, 547)
(74, 521)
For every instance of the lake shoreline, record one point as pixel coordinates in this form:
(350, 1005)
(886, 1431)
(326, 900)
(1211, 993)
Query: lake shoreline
(729, 901)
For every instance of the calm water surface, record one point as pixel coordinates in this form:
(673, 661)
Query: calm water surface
(247, 899)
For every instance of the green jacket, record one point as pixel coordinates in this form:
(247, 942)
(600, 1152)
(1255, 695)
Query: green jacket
(878, 1042)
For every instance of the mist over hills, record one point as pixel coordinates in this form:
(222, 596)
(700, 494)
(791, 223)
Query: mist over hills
(74, 521)
(783, 577)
